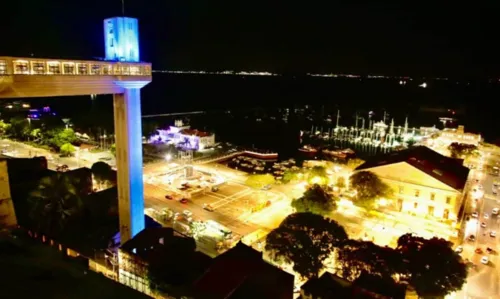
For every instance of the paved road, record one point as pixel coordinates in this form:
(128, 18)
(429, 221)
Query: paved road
(484, 280)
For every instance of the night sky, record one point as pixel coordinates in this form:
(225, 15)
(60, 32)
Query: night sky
(278, 36)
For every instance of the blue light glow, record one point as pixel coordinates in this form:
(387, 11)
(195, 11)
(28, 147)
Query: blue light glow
(133, 101)
(121, 39)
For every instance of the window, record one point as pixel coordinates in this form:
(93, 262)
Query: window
(69, 68)
(448, 199)
(54, 68)
(446, 214)
(417, 193)
(135, 70)
(38, 68)
(433, 196)
(3, 67)
(430, 210)
(95, 70)
(125, 70)
(401, 189)
(116, 69)
(83, 69)
(106, 69)
(415, 205)
(21, 67)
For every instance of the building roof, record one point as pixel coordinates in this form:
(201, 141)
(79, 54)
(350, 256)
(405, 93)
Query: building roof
(447, 170)
(370, 286)
(242, 273)
(194, 132)
(365, 286)
(327, 286)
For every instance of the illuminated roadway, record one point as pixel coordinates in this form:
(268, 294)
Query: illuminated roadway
(483, 280)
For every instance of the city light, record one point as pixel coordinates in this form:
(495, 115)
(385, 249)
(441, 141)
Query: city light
(168, 157)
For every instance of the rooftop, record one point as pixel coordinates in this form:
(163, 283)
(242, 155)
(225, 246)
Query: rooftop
(242, 273)
(39, 271)
(447, 170)
(365, 286)
(194, 132)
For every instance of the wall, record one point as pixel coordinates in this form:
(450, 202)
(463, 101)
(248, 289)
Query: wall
(416, 191)
(7, 213)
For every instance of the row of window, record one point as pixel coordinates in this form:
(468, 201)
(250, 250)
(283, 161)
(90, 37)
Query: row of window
(417, 194)
(3, 67)
(22, 67)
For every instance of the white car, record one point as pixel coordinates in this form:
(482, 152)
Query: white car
(474, 215)
(493, 234)
(494, 211)
(485, 260)
(483, 224)
(486, 216)
(187, 213)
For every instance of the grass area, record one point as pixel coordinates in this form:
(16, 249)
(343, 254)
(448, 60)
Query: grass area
(32, 270)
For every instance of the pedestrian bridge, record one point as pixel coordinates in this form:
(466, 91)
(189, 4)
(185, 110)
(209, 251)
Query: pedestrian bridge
(39, 77)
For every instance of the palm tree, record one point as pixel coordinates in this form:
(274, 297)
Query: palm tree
(54, 203)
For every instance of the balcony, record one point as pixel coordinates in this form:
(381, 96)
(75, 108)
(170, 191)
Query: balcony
(37, 77)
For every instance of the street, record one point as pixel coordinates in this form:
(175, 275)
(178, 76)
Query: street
(484, 279)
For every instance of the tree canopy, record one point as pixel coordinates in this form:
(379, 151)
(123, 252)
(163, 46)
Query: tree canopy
(435, 269)
(462, 150)
(315, 200)
(54, 203)
(259, 180)
(62, 137)
(357, 256)
(318, 175)
(101, 171)
(112, 149)
(369, 187)
(306, 240)
(67, 150)
(290, 175)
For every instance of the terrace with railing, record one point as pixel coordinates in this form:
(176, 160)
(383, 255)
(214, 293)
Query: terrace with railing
(40, 77)
(40, 66)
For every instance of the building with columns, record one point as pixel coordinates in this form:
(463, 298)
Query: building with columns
(424, 182)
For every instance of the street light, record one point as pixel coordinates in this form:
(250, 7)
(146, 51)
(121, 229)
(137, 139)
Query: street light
(168, 157)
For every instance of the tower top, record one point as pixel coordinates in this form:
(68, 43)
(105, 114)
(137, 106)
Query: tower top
(121, 39)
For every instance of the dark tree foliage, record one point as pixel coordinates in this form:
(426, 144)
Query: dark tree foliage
(434, 268)
(357, 256)
(306, 240)
(461, 150)
(315, 200)
(368, 187)
(54, 203)
(101, 171)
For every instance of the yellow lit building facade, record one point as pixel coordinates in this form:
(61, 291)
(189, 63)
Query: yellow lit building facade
(424, 183)
(7, 213)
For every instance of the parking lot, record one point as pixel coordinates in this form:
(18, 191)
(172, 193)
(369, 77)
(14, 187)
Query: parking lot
(235, 200)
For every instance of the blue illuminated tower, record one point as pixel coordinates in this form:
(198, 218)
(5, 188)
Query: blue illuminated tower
(121, 40)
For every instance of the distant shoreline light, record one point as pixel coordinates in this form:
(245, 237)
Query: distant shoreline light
(243, 73)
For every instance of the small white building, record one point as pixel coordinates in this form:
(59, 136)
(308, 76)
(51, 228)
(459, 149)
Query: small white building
(185, 137)
(459, 135)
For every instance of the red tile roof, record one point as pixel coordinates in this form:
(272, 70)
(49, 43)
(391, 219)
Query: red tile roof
(194, 132)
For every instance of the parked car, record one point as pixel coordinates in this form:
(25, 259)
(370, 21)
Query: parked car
(184, 200)
(208, 207)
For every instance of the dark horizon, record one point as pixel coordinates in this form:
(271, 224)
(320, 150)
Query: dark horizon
(407, 40)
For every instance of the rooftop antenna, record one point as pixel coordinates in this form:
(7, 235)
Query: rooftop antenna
(123, 7)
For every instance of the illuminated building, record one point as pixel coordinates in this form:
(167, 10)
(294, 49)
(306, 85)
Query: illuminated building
(184, 137)
(424, 183)
(459, 135)
(122, 75)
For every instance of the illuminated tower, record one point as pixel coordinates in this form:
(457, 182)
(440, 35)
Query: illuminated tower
(121, 40)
